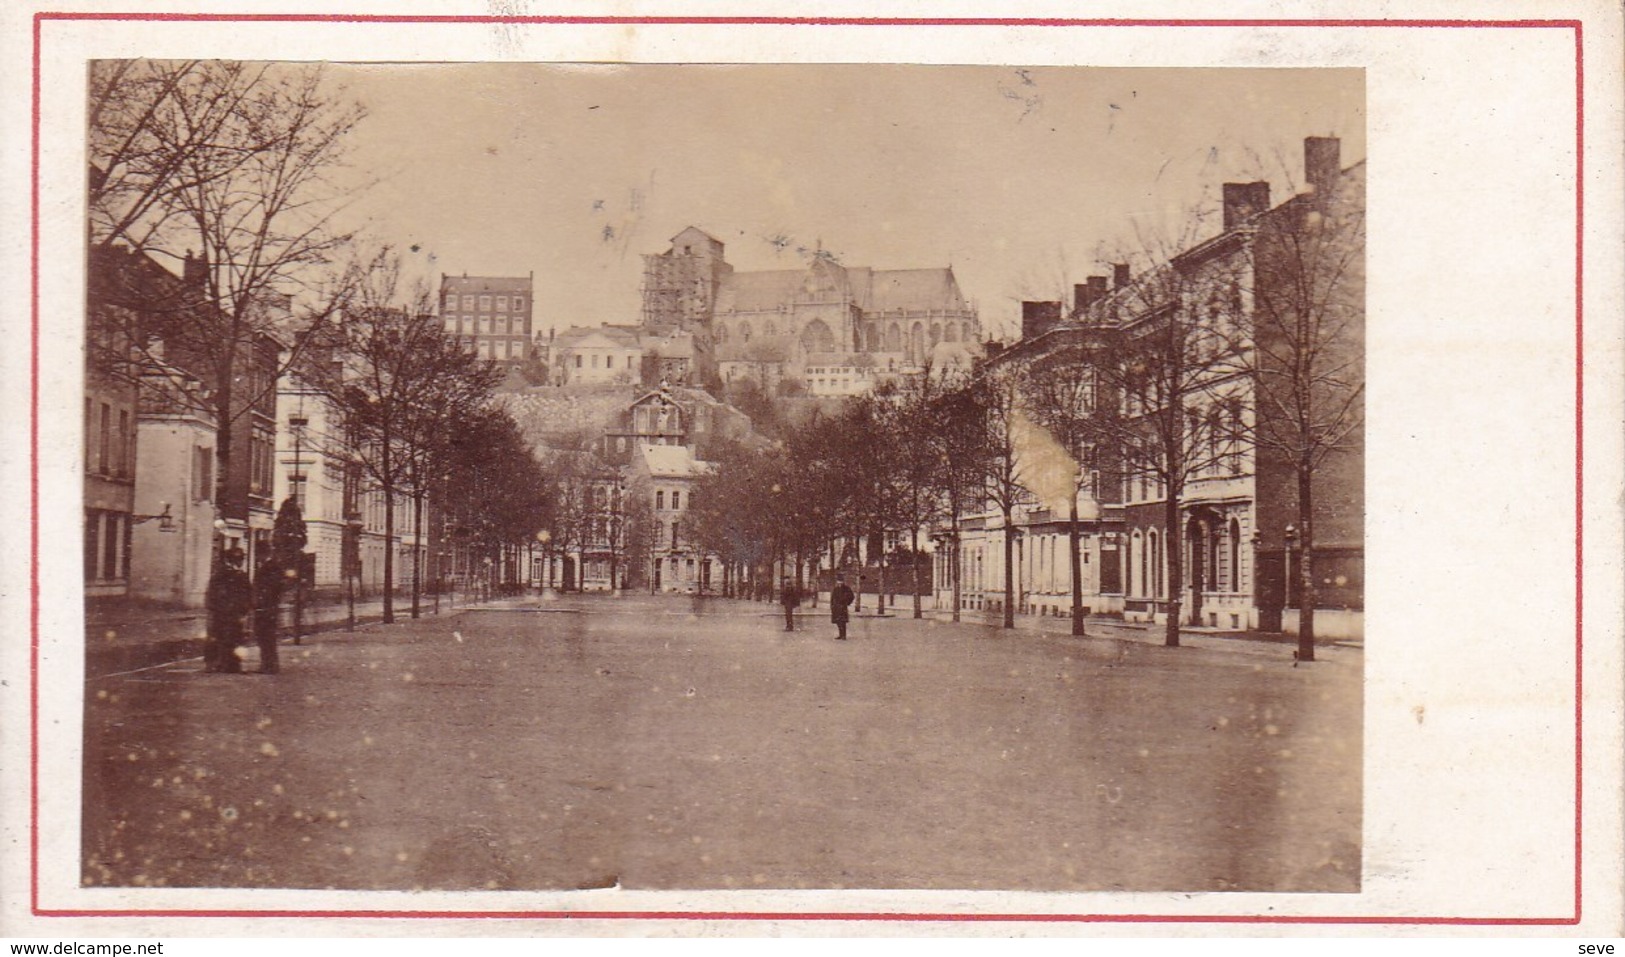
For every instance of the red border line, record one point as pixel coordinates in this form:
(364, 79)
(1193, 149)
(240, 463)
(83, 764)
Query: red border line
(33, 491)
(562, 20)
(34, 476)
(1579, 459)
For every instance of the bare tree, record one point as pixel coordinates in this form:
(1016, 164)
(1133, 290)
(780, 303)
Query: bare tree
(1059, 392)
(230, 163)
(996, 407)
(1170, 356)
(407, 383)
(1308, 357)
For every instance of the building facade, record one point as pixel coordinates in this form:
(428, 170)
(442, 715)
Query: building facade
(768, 326)
(490, 315)
(1239, 536)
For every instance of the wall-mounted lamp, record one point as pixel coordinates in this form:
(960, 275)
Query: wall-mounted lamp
(166, 521)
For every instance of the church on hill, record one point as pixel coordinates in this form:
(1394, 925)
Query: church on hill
(829, 328)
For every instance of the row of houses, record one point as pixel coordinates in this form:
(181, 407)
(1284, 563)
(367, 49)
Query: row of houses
(157, 510)
(1240, 538)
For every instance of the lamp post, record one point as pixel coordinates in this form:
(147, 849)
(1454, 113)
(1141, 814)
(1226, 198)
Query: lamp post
(1291, 536)
(296, 490)
(545, 539)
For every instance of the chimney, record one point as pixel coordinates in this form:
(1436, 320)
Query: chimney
(1097, 288)
(1081, 300)
(1119, 275)
(1038, 318)
(195, 270)
(1321, 162)
(1243, 201)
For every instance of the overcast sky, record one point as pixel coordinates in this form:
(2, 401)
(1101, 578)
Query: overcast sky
(1023, 180)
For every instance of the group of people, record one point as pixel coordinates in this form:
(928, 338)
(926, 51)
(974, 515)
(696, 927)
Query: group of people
(231, 598)
(840, 600)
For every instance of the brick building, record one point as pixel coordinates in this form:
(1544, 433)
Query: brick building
(491, 315)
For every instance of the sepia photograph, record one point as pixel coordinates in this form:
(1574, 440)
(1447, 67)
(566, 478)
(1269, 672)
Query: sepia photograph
(506, 476)
(504, 473)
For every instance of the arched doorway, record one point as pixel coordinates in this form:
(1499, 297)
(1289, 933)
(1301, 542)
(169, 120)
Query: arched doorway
(1196, 534)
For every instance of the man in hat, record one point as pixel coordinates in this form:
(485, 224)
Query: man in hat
(790, 598)
(228, 599)
(840, 599)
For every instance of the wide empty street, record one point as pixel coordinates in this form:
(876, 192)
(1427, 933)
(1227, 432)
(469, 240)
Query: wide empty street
(677, 743)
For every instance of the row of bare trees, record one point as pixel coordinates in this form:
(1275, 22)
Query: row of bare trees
(232, 175)
(1221, 355)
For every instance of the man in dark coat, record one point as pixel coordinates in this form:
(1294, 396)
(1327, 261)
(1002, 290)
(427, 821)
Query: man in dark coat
(840, 599)
(790, 598)
(268, 579)
(227, 599)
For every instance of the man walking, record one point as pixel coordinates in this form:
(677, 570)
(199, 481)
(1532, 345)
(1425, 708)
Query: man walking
(268, 580)
(790, 598)
(227, 600)
(840, 599)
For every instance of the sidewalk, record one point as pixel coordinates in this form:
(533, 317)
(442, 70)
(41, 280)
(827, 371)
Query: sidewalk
(127, 634)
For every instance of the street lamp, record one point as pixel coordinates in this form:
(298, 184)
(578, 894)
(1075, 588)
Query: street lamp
(1291, 536)
(166, 521)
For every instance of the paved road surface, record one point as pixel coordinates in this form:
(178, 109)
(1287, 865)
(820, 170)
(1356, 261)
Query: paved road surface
(658, 743)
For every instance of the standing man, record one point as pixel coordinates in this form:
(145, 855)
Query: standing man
(228, 601)
(790, 598)
(268, 580)
(840, 599)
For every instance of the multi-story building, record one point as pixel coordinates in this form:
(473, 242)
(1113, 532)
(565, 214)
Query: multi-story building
(117, 280)
(1240, 503)
(776, 324)
(491, 315)
(662, 477)
(597, 355)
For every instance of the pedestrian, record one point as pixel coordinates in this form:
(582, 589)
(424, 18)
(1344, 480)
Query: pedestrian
(790, 598)
(227, 599)
(840, 598)
(268, 580)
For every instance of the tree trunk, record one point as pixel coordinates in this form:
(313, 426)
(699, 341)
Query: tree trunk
(1009, 571)
(1306, 564)
(957, 557)
(389, 555)
(1172, 545)
(914, 555)
(417, 549)
(1077, 567)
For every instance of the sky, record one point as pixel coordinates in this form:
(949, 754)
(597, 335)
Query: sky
(1024, 180)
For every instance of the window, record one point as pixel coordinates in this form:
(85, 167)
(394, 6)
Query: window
(518, 303)
(578, 361)
(675, 503)
(110, 539)
(296, 489)
(93, 528)
(595, 362)
(499, 325)
(468, 303)
(451, 324)
(674, 527)
(104, 438)
(660, 499)
(89, 428)
(485, 348)
(502, 304)
(451, 300)
(122, 453)
(202, 474)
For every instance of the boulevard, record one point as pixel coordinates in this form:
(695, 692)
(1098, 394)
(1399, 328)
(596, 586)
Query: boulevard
(681, 743)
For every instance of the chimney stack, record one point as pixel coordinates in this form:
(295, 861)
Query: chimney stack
(1120, 278)
(1038, 318)
(1321, 162)
(1243, 201)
